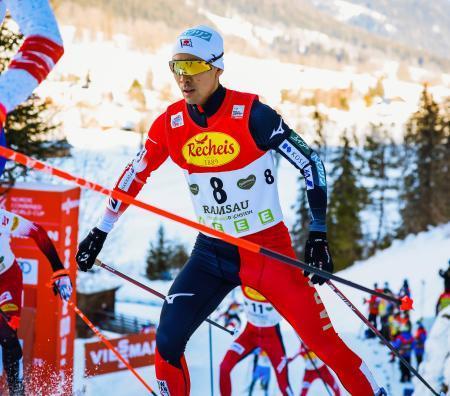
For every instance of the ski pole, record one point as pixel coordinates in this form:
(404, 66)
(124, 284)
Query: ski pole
(150, 290)
(380, 336)
(405, 303)
(110, 346)
(211, 369)
(4, 316)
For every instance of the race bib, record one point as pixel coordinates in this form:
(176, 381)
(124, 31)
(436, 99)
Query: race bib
(238, 202)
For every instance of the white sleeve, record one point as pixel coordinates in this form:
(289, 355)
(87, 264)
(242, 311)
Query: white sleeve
(40, 51)
(35, 18)
(15, 225)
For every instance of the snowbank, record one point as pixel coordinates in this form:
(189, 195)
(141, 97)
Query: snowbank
(436, 365)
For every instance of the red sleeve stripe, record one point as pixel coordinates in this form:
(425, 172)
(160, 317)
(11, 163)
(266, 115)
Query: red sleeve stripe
(2, 115)
(37, 56)
(42, 45)
(38, 70)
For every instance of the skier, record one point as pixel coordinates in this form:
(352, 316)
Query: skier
(404, 290)
(261, 371)
(232, 321)
(315, 369)
(222, 139)
(11, 290)
(39, 52)
(404, 343)
(419, 344)
(373, 302)
(445, 274)
(385, 310)
(443, 301)
(262, 331)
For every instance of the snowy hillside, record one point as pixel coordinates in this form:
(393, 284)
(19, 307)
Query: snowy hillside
(113, 66)
(94, 115)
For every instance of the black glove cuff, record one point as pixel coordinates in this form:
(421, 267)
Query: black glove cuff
(99, 234)
(317, 235)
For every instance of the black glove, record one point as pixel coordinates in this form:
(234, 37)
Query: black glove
(89, 248)
(318, 255)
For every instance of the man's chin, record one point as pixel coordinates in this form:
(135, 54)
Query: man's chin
(190, 100)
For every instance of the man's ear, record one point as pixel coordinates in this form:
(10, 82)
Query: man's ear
(219, 72)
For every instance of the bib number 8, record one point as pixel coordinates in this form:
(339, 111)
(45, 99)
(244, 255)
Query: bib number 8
(218, 192)
(269, 177)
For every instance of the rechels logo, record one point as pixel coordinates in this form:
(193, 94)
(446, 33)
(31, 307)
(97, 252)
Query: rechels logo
(210, 149)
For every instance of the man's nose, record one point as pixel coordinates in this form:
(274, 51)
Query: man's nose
(183, 78)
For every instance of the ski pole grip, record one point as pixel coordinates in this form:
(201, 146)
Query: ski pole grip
(98, 262)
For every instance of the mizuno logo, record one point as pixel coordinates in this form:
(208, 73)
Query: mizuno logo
(279, 130)
(172, 297)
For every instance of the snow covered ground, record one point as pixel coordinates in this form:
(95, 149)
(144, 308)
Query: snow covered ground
(418, 258)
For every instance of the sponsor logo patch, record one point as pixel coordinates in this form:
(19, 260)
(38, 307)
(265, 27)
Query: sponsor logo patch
(253, 294)
(210, 149)
(70, 204)
(238, 111)
(247, 183)
(29, 268)
(293, 154)
(176, 120)
(139, 162)
(198, 33)
(238, 348)
(320, 169)
(218, 227)
(15, 223)
(307, 173)
(163, 388)
(170, 298)
(114, 204)
(277, 131)
(9, 308)
(194, 188)
(241, 225)
(301, 143)
(5, 221)
(127, 178)
(5, 296)
(266, 216)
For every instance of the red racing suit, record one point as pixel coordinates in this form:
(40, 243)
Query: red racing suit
(262, 331)
(315, 369)
(232, 183)
(11, 286)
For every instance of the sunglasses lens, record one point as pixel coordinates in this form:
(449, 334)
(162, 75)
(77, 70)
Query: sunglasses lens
(189, 68)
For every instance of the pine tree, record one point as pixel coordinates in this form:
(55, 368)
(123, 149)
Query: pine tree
(27, 127)
(136, 94)
(427, 155)
(300, 229)
(380, 154)
(163, 256)
(347, 200)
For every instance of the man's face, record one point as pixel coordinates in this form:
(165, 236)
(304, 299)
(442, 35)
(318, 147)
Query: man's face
(198, 88)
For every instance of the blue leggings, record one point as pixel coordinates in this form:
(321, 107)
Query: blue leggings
(210, 274)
